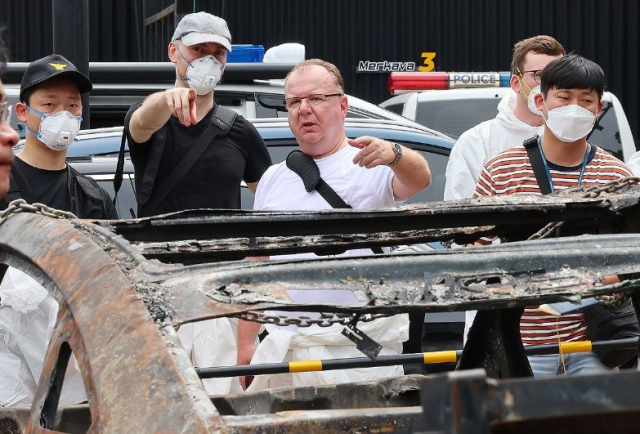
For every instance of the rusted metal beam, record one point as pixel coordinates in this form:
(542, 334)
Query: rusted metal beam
(513, 217)
(132, 381)
(518, 274)
(192, 251)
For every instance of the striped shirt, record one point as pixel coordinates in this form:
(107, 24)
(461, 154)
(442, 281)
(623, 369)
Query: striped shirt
(510, 172)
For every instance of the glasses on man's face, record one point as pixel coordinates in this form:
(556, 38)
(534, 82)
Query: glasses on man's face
(5, 112)
(536, 74)
(316, 99)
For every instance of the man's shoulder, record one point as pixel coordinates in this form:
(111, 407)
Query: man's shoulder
(278, 169)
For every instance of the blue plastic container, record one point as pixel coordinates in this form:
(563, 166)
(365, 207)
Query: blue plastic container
(245, 53)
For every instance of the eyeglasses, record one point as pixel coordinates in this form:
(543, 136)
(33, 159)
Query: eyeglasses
(316, 99)
(537, 74)
(5, 112)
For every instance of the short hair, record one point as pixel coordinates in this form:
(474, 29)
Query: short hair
(572, 72)
(333, 70)
(541, 44)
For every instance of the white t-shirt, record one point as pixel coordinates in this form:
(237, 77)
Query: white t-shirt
(282, 189)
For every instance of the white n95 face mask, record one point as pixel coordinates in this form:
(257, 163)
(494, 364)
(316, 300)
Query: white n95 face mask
(530, 96)
(531, 103)
(203, 74)
(57, 130)
(570, 122)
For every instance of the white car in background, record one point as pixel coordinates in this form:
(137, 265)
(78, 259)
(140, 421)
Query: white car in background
(446, 103)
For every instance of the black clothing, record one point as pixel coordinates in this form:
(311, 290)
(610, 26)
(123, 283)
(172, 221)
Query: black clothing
(43, 186)
(214, 180)
(64, 189)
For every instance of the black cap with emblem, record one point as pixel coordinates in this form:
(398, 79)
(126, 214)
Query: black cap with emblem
(49, 67)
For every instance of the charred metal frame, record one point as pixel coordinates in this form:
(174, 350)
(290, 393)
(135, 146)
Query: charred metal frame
(120, 306)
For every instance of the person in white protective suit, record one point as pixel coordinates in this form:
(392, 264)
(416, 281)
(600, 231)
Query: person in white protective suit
(366, 173)
(518, 118)
(27, 317)
(212, 343)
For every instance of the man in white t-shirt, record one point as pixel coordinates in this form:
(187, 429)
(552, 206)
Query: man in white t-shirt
(366, 173)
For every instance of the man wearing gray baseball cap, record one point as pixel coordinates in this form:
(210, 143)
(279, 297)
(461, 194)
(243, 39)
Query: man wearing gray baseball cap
(187, 151)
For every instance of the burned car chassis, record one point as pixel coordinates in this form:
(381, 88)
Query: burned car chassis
(123, 289)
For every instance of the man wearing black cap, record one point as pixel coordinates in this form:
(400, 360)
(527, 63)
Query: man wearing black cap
(183, 158)
(51, 107)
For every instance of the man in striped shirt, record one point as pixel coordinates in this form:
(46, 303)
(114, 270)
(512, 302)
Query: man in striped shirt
(570, 101)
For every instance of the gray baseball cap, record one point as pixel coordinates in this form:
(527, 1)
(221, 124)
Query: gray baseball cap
(201, 27)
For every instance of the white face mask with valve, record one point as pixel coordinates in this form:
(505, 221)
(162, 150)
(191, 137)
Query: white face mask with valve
(530, 97)
(203, 74)
(570, 122)
(58, 131)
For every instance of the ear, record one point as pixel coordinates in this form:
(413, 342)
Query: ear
(21, 111)
(600, 105)
(172, 52)
(344, 106)
(515, 83)
(539, 100)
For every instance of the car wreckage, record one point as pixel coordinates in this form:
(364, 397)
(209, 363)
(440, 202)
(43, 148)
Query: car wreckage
(125, 286)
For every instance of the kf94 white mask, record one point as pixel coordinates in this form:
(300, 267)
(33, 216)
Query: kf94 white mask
(570, 122)
(57, 130)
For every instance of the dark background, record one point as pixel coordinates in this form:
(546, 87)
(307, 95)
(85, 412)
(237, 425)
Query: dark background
(467, 35)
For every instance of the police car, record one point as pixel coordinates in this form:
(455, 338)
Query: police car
(454, 102)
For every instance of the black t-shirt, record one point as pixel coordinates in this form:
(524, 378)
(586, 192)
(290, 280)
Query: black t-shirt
(214, 180)
(49, 187)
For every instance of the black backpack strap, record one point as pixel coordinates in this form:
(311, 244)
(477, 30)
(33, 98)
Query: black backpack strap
(220, 123)
(535, 158)
(307, 169)
(117, 177)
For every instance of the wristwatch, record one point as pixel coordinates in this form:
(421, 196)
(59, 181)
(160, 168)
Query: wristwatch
(397, 149)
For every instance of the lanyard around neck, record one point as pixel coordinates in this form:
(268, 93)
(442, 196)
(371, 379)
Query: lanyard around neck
(546, 165)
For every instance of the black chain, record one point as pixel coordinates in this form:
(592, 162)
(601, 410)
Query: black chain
(326, 319)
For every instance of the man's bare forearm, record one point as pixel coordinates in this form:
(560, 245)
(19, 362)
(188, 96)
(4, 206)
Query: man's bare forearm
(412, 174)
(149, 118)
